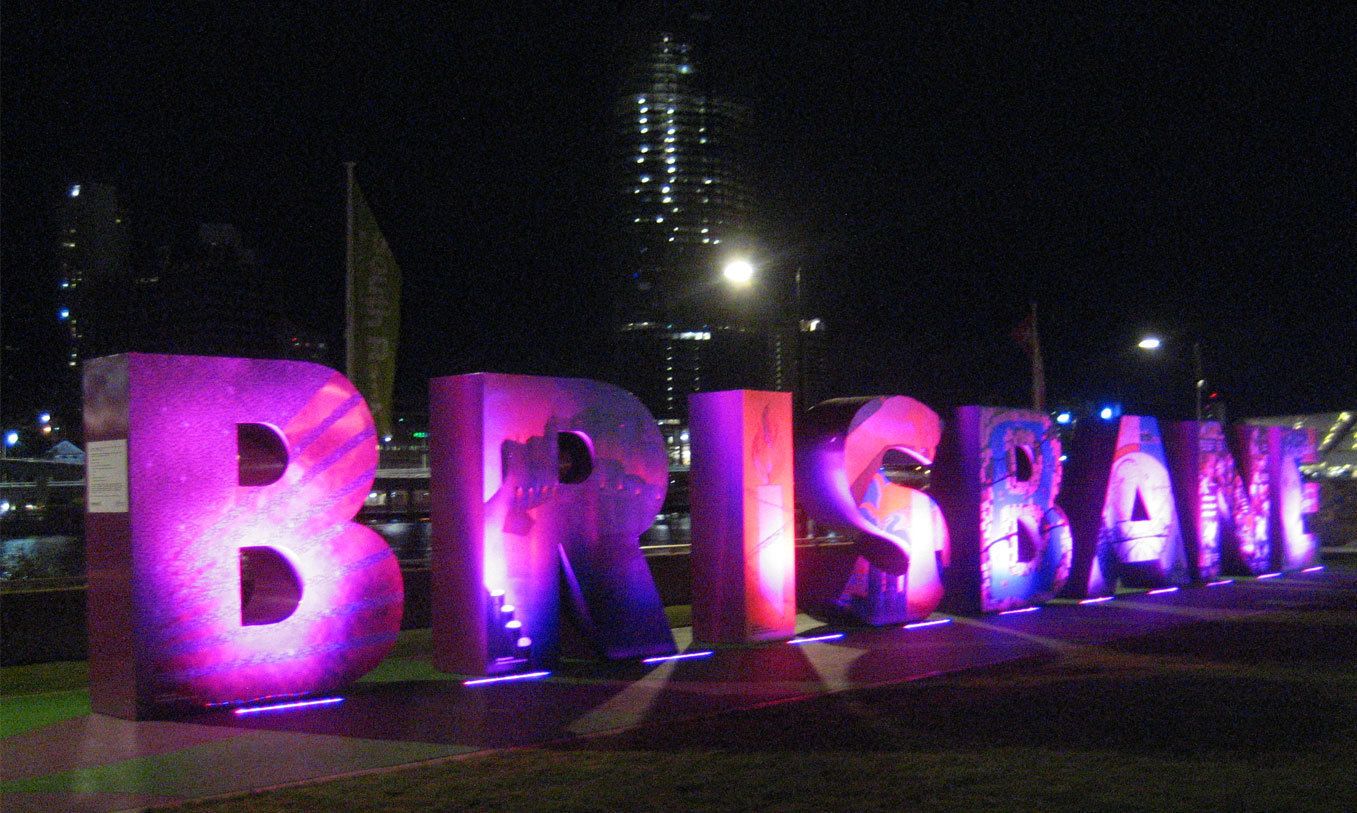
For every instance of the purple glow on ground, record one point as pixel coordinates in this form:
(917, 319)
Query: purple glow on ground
(1161, 590)
(1314, 569)
(1023, 610)
(681, 656)
(1098, 600)
(505, 678)
(324, 701)
(1268, 575)
(833, 637)
(1219, 583)
(917, 625)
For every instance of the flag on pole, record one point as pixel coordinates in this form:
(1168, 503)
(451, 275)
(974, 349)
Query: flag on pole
(372, 309)
(1026, 335)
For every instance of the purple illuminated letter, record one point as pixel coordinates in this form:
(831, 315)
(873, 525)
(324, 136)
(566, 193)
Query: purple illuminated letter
(1248, 550)
(223, 565)
(853, 451)
(1209, 494)
(744, 547)
(1293, 499)
(997, 482)
(1121, 510)
(534, 479)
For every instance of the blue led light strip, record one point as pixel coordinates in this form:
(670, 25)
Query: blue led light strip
(324, 701)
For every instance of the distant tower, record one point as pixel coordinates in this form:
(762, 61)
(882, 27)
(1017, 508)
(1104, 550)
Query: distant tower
(93, 276)
(683, 188)
(684, 208)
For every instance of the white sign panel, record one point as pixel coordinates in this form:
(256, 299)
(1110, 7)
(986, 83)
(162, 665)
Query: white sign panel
(106, 476)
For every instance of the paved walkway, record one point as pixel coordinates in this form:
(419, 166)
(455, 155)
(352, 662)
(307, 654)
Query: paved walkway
(406, 712)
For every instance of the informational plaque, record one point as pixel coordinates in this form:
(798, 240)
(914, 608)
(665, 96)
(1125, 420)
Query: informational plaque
(106, 476)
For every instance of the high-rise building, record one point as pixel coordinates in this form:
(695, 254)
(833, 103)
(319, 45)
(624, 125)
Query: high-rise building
(93, 275)
(210, 297)
(685, 200)
(685, 208)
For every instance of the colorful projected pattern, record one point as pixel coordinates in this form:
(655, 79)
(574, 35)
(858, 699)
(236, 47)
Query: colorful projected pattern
(1204, 484)
(1293, 499)
(1120, 502)
(899, 531)
(1139, 517)
(233, 571)
(1248, 549)
(744, 546)
(533, 479)
(997, 484)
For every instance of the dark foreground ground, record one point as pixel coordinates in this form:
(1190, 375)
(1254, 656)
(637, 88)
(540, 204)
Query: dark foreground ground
(1256, 713)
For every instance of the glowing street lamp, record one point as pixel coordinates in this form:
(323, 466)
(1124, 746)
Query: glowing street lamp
(739, 272)
(1152, 343)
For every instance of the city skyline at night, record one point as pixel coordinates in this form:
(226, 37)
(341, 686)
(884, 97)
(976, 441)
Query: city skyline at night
(932, 171)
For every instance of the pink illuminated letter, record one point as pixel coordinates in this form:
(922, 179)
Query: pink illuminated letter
(1248, 550)
(1212, 502)
(848, 462)
(223, 565)
(744, 547)
(537, 482)
(1293, 499)
(1120, 504)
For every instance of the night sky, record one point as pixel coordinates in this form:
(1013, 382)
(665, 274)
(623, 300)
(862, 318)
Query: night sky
(1189, 171)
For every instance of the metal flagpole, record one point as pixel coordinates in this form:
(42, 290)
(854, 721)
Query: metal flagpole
(348, 276)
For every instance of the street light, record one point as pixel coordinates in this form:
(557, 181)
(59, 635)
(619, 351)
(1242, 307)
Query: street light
(739, 272)
(1199, 380)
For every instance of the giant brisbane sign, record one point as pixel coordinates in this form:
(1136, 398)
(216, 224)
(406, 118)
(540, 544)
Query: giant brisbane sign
(225, 566)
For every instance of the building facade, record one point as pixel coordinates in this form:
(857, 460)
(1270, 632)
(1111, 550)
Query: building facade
(685, 208)
(93, 272)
